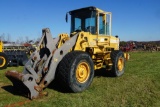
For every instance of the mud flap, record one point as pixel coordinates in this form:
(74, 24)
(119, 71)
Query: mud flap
(24, 83)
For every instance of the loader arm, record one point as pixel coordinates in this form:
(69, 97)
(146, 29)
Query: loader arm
(40, 69)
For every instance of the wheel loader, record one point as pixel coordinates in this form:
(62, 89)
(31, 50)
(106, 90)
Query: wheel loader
(72, 58)
(3, 57)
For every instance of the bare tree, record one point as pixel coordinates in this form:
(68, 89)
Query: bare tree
(38, 39)
(27, 39)
(8, 38)
(20, 40)
(2, 37)
(17, 41)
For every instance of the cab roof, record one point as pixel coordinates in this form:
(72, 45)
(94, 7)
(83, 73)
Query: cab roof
(90, 8)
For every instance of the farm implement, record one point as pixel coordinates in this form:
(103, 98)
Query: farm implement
(12, 55)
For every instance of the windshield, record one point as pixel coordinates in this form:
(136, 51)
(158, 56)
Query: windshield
(83, 21)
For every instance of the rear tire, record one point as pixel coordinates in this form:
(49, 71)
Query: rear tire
(118, 61)
(3, 61)
(75, 71)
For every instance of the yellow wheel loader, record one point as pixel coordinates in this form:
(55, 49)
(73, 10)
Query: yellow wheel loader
(72, 58)
(3, 57)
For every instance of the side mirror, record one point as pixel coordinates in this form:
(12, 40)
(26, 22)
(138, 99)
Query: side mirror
(66, 17)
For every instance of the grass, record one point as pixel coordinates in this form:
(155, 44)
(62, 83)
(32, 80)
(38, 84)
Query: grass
(138, 87)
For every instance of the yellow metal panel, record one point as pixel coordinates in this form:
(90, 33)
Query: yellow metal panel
(114, 42)
(1, 46)
(101, 11)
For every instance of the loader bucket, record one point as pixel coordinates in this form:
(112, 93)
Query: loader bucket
(19, 82)
(16, 79)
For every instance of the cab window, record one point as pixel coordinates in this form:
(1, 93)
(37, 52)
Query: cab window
(103, 25)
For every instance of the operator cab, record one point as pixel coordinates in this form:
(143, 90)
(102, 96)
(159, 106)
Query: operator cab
(91, 19)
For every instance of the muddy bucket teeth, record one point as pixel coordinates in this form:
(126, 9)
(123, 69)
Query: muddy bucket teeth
(23, 84)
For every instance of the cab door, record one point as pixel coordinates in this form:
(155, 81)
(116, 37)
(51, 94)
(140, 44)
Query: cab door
(103, 29)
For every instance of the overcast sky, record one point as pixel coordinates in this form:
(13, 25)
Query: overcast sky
(131, 19)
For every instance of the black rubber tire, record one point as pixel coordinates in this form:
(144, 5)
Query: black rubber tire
(115, 55)
(3, 56)
(66, 72)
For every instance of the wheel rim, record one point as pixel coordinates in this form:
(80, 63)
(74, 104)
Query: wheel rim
(31, 51)
(3, 61)
(120, 64)
(82, 72)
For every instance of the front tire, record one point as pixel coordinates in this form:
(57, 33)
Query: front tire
(76, 71)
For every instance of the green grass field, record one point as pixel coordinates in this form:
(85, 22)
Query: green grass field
(139, 86)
